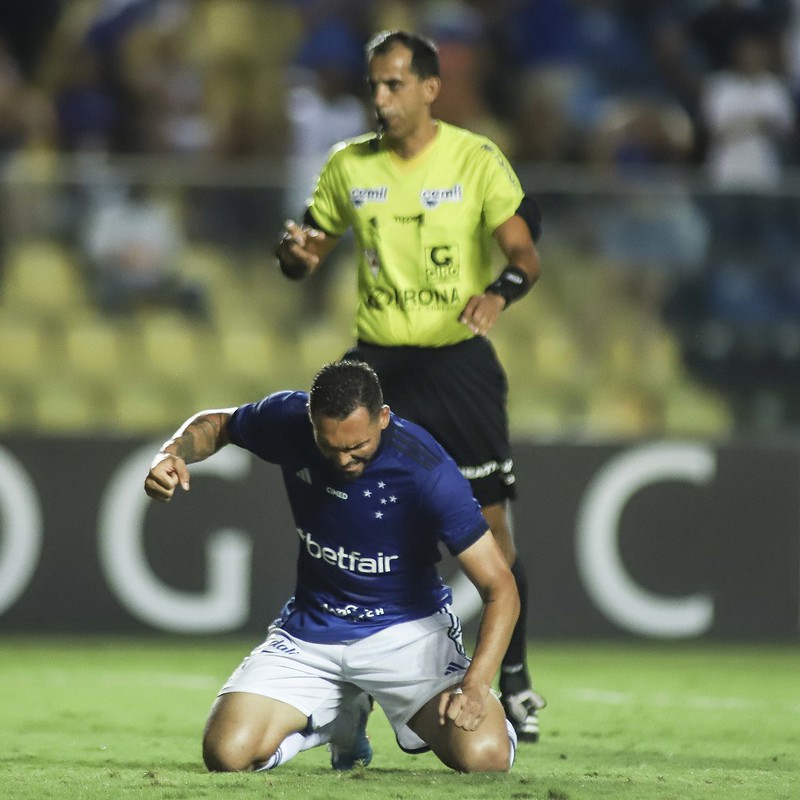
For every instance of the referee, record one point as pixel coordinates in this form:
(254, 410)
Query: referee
(427, 201)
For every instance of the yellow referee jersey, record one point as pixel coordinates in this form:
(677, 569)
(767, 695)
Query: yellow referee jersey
(423, 230)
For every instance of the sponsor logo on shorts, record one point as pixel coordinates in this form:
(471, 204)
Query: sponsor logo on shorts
(277, 643)
(489, 468)
(350, 561)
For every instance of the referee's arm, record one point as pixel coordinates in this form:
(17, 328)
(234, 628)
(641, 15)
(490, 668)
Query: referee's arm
(516, 242)
(516, 279)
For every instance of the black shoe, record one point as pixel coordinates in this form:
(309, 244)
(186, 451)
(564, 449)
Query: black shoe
(521, 710)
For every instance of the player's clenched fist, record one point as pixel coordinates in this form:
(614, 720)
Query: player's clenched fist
(166, 472)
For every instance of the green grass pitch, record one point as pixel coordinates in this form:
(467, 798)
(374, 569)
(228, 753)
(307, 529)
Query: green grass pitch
(121, 718)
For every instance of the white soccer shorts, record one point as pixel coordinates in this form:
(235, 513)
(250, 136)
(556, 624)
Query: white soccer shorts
(402, 667)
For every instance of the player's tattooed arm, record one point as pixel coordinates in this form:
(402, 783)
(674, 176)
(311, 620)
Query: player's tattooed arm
(197, 439)
(200, 436)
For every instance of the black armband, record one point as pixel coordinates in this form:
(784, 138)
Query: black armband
(529, 210)
(308, 219)
(512, 284)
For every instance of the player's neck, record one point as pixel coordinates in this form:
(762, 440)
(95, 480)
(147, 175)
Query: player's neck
(413, 145)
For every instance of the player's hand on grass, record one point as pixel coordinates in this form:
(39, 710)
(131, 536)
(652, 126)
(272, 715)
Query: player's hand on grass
(297, 250)
(464, 706)
(167, 472)
(481, 312)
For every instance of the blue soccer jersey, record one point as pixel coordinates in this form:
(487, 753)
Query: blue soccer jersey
(368, 548)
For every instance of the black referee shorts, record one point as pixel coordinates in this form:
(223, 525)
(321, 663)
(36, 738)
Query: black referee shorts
(459, 394)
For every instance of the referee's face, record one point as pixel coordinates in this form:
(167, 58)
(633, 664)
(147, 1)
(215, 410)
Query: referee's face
(350, 443)
(401, 99)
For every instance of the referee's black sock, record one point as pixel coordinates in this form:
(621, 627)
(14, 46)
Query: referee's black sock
(513, 670)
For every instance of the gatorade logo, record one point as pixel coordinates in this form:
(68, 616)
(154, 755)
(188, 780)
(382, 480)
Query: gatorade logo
(441, 263)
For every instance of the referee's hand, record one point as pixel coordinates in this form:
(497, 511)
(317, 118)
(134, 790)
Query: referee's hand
(482, 312)
(297, 251)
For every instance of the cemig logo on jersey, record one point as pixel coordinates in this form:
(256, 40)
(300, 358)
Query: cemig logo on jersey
(352, 561)
(359, 197)
(431, 198)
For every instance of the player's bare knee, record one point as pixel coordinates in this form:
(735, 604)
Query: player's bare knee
(487, 754)
(230, 754)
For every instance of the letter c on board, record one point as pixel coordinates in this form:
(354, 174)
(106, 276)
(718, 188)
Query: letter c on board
(20, 530)
(600, 565)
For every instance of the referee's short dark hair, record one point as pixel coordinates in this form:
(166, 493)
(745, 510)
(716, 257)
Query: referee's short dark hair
(340, 388)
(424, 53)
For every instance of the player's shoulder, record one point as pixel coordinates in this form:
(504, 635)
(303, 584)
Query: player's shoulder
(285, 404)
(295, 399)
(415, 445)
(290, 400)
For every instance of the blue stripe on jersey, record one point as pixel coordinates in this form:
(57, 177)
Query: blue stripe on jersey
(408, 444)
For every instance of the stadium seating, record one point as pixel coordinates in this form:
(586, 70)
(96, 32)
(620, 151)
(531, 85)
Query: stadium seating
(22, 350)
(65, 405)
(42, 281)
(96, 348)
(583, 359)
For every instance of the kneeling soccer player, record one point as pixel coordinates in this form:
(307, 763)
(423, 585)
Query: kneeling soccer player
(372, 495)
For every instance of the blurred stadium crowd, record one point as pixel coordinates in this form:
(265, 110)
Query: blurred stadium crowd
(150, 150)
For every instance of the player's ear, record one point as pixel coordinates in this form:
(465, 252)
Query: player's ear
(383, 417)
(430, 88)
